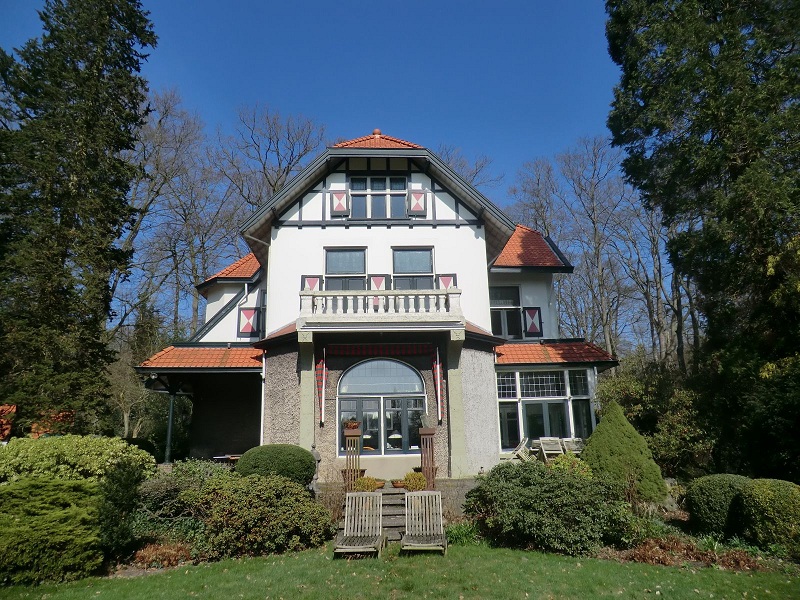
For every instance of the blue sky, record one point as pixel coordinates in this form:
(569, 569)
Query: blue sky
(513, 80)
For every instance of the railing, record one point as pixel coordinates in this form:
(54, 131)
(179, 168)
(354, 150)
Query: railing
(374, 302)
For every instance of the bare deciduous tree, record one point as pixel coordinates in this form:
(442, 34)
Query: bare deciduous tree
(476, 172)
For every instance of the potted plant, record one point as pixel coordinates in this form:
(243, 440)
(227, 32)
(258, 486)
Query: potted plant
(398, 483)
(352, 424)
(415, 482)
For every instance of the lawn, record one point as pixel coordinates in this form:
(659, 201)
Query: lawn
(466, 572)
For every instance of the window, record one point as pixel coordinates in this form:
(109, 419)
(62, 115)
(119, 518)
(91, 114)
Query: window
(413, 268)
(506, 312)
(534, 404)
(388, 398)
(378, 197)
(345, 269)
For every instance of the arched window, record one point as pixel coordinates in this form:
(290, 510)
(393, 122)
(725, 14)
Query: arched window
(387, 399)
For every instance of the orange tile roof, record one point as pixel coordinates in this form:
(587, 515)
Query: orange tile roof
(205, 357)
(551, 353)
(378, 140)
(528, 248)
(244, 268)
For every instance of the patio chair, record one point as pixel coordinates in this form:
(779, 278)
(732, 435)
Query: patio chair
(363, 513)
(424, 527)
(574, 445)
(550, 448)
(522, 451)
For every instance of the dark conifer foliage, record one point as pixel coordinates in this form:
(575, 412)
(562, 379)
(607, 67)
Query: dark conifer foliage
(70, 105)
(708, 110)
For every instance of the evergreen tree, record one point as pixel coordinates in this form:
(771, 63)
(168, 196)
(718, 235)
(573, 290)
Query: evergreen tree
(708, 110)
(70, 107)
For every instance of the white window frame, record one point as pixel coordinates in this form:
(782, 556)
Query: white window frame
(519, 400)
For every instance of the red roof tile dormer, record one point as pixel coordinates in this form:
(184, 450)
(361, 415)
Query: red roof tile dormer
(529, 248)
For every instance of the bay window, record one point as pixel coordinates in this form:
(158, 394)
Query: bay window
(546, 403)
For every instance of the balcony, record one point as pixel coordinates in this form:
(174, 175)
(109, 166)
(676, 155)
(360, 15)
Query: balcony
(374, 310)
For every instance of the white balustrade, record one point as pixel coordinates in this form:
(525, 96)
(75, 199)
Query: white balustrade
(370, 304)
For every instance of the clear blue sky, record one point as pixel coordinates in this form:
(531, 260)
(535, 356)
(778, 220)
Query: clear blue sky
(513, 80)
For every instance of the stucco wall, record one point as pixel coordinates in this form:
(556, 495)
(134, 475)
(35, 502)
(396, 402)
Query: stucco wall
(282, 397)
(480, 408)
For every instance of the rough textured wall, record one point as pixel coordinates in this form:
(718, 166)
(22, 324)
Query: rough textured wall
(326, 436)
(225, 414)
(480, 408)
(282, 397)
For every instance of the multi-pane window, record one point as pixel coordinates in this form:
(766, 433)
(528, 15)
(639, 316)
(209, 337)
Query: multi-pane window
(378, 197)
(413, 268)
(506, 311)
(535, 404)
(345, 269)
(387, 399)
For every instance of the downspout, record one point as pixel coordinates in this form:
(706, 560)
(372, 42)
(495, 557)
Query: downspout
(263, 395)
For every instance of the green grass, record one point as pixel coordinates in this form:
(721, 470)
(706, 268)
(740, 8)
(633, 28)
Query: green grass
(466, 572)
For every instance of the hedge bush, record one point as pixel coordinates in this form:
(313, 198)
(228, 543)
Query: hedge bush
(292, 462)
(528, 505)
(618, 451)
(71, 457)
(254, 516)
(770, 514)
(117, 466)
(709, 501)
(415, 482)
(571, 464)
(166, 501)
(49, 530)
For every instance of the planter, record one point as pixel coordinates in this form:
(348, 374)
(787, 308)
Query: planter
(398, 483)
(361, 473)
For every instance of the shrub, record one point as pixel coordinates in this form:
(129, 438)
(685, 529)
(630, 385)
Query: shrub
(367, 484)
(571, 464)
(770, 514)
(71, 457)
(709, 500)
(49, 530)
(415, 482)
(162, 556)
(292, 462)
(166, 501)
(530, 506)
(117, 466)
(616, 450)
(462, 533)
(254, 516)
(143, 444)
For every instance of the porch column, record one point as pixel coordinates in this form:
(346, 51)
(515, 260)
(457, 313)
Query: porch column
(306, 342)
(459, 465)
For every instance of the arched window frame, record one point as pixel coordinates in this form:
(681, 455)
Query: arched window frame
(383, 415)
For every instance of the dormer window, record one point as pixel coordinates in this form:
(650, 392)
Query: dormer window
(378, 198)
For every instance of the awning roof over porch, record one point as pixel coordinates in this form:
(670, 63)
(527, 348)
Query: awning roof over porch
(554, 352)
(204, 357)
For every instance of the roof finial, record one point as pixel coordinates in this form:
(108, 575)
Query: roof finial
(376, 132)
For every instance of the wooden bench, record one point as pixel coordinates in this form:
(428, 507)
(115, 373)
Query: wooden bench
(363, 513)
(424, 526)
(574, 445)
(522, 451)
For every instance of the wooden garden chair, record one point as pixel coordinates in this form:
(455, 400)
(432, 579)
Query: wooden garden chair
(550, 448)
(574, 445)
(522, 451)
(424, 526)
(363, 513)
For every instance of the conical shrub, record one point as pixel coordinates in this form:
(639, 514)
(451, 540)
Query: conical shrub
(617, 450)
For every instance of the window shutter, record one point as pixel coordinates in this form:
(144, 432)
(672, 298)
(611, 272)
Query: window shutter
(533, 321)
(311, 283)
(340, 203)
(447, 281)
(418, 202)
(248, 322)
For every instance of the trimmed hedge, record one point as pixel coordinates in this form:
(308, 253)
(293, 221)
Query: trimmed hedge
(618, 451)
(71, 457)
(49, 530)
(770, 513)
(527, 505)
(709, 501)
(292, 462)
(255, 516)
